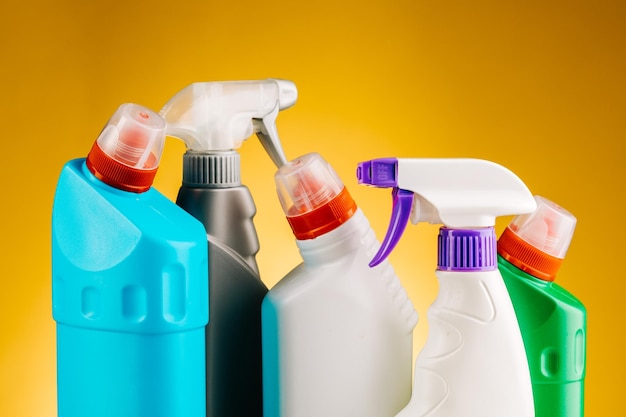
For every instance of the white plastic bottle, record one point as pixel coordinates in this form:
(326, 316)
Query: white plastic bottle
(474, 363)
(337, 334)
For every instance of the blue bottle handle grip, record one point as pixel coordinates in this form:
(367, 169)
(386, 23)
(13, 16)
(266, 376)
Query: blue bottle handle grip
(401, 212)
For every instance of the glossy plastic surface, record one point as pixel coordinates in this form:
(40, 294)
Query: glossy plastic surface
(130, 300)
(473, 363)
(337, 334)
(233, 335)
(554, 327)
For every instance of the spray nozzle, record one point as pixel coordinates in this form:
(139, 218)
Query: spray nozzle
(458, 193)
(219, 116)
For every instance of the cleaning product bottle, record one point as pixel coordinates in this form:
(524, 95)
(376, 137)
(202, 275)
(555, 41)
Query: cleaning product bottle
(337, 335)
(473, 363)
(128, 281)
(213, 119)
(553, 322)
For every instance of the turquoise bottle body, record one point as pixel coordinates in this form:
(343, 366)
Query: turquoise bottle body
(129, 297)
(553, 322)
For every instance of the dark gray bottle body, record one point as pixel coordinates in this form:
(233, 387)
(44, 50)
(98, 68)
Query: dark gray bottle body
(233, 334)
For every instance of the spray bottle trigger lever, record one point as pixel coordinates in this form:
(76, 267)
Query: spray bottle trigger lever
(400, 215)
(267, 133)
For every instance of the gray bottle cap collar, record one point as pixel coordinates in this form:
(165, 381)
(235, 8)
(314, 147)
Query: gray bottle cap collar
(211, 170)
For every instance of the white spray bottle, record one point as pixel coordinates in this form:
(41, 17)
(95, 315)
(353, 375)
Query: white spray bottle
(337, 335)
(474, 363)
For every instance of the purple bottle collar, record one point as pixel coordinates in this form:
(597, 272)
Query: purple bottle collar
(467, 249)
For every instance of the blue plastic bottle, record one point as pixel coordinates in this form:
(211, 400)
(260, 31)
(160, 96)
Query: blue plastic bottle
(129, 286)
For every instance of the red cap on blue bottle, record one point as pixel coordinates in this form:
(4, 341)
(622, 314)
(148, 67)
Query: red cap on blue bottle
(126, 155)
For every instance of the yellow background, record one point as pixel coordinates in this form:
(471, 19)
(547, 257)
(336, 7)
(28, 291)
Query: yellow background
(537, 86)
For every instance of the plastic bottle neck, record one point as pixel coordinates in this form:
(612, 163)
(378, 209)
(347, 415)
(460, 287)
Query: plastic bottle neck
(227, 215)
(339, 242)
(324, 218)
(118, 175)
(506, 267)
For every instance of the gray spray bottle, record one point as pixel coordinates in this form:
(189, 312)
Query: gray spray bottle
(213, 119)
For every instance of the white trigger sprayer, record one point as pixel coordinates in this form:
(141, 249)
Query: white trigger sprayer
(219, 116)
(474, 362)
(213, 119)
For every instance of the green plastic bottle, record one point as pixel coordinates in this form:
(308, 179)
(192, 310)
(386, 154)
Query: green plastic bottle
(553, 322)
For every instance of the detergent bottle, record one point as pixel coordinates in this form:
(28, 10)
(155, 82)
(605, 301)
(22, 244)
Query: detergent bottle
(552, 321)
(473, 363)
(129, 292)
(337, 335)
(213, 119)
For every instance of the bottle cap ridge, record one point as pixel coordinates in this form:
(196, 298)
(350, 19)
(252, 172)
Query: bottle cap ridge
(312, 196)
(537, 242)
(127, 152)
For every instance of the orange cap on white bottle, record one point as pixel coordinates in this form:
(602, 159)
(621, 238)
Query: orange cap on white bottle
(313, 196)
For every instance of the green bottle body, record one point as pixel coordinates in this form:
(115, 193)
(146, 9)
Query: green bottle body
(553, 324)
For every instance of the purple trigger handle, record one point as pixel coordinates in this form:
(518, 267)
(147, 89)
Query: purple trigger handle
(402, 205)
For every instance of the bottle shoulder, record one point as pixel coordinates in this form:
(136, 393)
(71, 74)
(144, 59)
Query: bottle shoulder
(96, 227)
(524, 286)
(229, 269)
(227, 215)
(478, 296)
(335, 269)
(119, 262)
(349, 289)
(80, 197)
(305, 281)
(472, 331)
